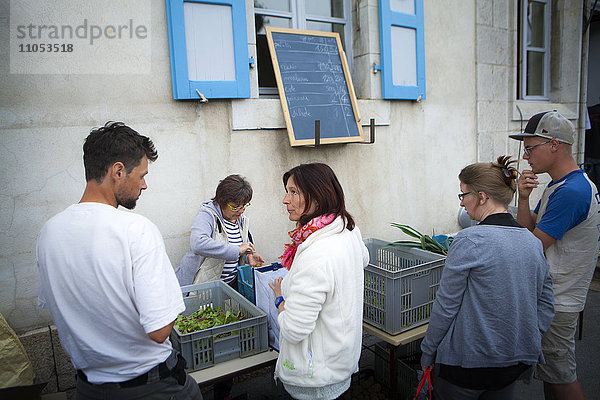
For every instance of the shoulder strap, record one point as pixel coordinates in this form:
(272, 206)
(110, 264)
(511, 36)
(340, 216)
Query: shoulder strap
(217, 220)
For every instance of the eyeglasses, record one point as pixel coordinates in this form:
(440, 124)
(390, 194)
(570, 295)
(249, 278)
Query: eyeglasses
(527, 149)
(462, 195)
(234, 209)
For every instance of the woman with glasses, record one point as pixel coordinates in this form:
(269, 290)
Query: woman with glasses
(495, 297)
(320, 301)
(220, 239)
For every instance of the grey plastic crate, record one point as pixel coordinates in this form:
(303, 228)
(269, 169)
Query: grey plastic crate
(211, 346)
(400, 286)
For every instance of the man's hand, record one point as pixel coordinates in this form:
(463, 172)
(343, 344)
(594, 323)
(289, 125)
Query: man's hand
(526, 183)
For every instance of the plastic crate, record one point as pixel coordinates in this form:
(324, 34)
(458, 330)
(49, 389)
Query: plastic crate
(246, 279)
(400, 286)
(409, 357)
(211, 346)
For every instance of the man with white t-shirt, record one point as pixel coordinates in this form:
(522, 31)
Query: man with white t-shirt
(106, 278)
(567, 221)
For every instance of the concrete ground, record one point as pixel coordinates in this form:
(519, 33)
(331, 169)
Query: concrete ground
(261, 385)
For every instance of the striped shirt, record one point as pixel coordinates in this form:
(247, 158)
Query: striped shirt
(234, 236)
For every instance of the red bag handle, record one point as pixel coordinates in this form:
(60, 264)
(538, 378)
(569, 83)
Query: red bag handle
(426, 377)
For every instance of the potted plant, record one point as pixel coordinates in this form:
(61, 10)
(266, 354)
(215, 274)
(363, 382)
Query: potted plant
(436, 244)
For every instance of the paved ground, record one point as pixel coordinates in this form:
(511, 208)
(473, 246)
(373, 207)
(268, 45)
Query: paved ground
(260, 384)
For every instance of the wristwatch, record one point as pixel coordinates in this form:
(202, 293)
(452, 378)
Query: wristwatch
(278, 301)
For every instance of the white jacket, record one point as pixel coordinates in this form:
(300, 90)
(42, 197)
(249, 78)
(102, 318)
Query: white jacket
(321, 327)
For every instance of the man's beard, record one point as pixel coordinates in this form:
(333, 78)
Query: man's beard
(129, 203)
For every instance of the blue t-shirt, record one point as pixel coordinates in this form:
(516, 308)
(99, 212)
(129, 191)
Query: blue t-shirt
(568, 205)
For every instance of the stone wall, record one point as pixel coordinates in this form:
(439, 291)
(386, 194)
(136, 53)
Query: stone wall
(50, 363)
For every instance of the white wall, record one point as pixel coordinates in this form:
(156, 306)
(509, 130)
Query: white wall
(409, 175)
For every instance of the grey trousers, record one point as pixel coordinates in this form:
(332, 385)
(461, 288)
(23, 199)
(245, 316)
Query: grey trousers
(444, 390)
(167, 388)
(156, 389)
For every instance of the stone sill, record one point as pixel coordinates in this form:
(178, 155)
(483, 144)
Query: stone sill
(266, 113)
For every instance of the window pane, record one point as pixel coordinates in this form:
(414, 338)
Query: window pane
(199, 19)
(325, 8)
(260, 21)
(404, 56)
(326, 27)
(535, 73)
(279, 5)
(403, 6)
(536, 24)
(266, 74)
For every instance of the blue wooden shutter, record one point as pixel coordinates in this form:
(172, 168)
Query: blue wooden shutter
(186, 83)
(402, 77)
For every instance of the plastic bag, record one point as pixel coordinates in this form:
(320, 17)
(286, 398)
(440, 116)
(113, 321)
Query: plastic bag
(15, 368)
(265, 300)
(424, 392)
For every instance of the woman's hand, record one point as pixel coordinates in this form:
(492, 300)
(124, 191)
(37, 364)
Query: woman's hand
(255, 260)
(276, 286)
(246, 248)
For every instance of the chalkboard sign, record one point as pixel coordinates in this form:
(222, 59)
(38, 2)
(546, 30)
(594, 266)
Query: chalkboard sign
(314, 84)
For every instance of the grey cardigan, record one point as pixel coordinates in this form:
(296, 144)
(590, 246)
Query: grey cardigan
(494, 302)
(209, 247)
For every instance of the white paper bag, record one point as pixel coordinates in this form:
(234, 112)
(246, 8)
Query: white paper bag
(265, 300)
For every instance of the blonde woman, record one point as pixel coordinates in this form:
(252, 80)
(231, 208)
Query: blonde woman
(495, 297)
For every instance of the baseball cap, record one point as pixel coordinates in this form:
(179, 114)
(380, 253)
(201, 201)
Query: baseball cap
(549, 125)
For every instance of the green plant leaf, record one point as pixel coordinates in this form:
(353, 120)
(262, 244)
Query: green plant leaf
(407, 243)
(425, 242)
(410, 231)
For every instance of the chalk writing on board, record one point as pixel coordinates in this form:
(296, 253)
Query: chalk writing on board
(313, 85)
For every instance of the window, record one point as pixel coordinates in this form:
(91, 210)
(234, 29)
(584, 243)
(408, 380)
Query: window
(402, 49)
(314, 15)
(209, 48)
(534, 50)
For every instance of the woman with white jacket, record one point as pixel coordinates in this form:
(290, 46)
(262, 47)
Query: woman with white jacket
(320, 301)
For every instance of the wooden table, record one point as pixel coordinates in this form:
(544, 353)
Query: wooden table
(237, 366)
(234, 367)
(393, 342)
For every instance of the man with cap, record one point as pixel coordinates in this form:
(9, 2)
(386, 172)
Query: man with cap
(567, 221)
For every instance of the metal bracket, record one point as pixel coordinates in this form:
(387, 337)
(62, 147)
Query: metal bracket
(376, 68)
(318, 133)
(202, 98)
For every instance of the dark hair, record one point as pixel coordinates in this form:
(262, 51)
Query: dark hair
(317, 181)
(496, 179)
(233, 189)
(112, 143)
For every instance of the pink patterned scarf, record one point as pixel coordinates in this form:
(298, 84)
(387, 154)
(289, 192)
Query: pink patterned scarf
(300, 234)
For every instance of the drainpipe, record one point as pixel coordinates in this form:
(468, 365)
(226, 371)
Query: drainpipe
(583, 87)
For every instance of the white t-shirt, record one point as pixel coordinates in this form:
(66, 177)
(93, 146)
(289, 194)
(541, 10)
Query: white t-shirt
(107, 281)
